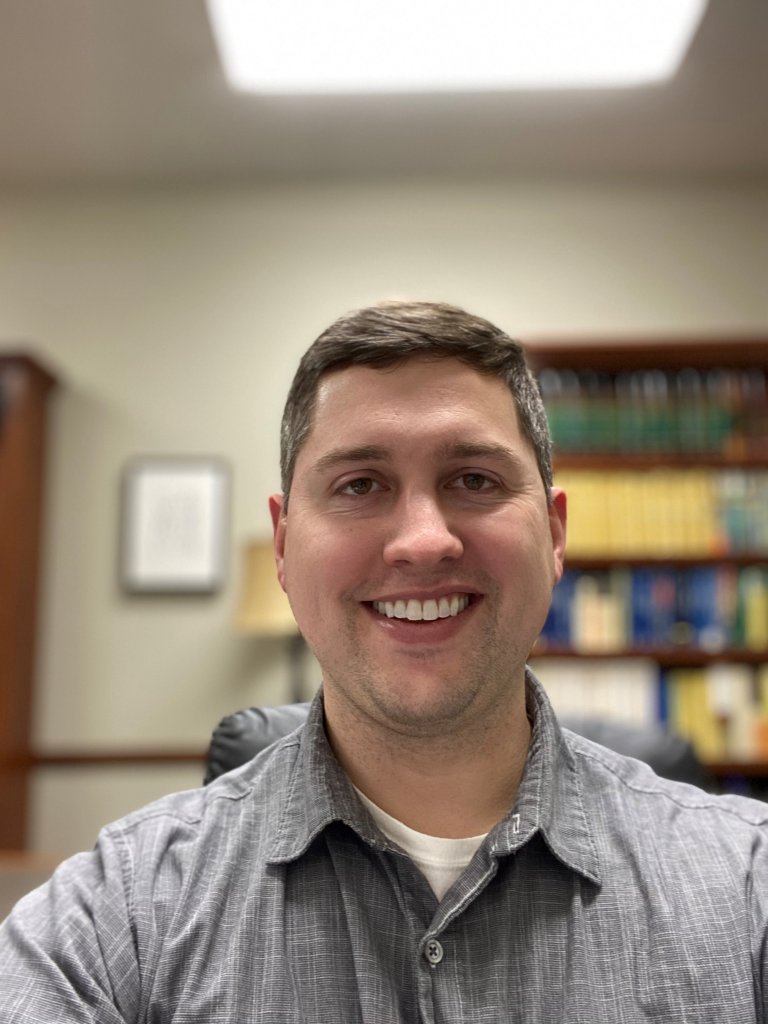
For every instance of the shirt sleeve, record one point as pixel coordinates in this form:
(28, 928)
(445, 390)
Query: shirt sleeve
(756, 891)
(67, 950)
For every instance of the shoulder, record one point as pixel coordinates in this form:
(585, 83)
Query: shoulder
(112, 909)
(680, 857)
(225, 833)
(629, 792)
(249, 798)
(148, 857)
(152, 875)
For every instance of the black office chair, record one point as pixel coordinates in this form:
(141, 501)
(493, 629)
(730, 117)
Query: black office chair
(242, 735)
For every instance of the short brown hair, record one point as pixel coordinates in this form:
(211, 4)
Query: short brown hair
(392, 332)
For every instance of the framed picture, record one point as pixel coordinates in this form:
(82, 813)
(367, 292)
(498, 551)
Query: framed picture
(174, 525)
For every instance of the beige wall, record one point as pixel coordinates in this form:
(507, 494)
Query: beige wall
(175, 321)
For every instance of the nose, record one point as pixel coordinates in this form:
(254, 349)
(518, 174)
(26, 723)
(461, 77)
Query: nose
(420, 534)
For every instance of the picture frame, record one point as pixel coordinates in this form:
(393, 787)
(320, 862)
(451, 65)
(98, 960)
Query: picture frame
(174, 535)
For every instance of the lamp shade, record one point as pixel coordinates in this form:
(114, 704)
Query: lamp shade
(263, 609)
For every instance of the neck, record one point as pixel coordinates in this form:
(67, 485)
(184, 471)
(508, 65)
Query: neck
(457, 784)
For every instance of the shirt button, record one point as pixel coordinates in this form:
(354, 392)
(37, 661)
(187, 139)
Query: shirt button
(434, 952)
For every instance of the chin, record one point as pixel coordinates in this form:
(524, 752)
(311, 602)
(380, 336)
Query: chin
(423, 706)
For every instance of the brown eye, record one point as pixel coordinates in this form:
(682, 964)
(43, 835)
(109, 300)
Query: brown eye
(361, 486)
(474, 481)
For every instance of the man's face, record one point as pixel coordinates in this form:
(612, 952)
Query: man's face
(418, 551)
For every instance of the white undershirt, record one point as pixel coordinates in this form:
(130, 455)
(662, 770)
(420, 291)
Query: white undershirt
(441, 861)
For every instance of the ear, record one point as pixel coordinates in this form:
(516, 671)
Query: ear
(558, 517)
(277, 512)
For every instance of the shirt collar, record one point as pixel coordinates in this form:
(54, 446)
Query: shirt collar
(549, 799)
(318, 793)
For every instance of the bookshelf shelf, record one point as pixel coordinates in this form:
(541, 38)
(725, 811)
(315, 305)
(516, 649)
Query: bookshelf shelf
(664, 657)
(599, 562)
(657, 460)
(617, 355)
(662, 449)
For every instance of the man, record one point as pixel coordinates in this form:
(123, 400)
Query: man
(431, 846)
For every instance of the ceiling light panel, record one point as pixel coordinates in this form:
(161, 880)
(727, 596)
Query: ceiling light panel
(385, 46)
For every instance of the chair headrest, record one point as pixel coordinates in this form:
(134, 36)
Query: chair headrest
(240, 736)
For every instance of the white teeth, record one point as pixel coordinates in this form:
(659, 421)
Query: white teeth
(423, 611)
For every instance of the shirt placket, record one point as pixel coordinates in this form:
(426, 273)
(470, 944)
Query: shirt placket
(438, 972)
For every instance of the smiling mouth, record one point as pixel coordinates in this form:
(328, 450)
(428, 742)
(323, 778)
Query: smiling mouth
(423, 611)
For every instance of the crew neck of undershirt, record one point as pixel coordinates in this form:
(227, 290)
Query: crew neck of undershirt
(440, 860)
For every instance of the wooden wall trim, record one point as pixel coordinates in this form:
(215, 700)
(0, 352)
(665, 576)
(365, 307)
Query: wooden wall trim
(114, 758)
(24, 388)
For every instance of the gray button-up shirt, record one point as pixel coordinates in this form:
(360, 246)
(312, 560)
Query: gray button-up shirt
(606, 895)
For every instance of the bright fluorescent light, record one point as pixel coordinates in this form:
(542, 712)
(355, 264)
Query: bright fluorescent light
(364, 46)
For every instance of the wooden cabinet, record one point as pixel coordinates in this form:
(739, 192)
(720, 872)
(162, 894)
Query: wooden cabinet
(663, 451)
(24, 391)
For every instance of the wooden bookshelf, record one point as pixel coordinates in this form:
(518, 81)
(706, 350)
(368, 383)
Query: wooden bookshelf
(672, 414)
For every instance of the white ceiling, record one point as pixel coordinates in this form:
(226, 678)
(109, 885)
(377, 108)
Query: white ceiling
(108, 92)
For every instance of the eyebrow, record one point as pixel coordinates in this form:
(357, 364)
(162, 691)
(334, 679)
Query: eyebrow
(454, 450)
(481, 450)
(360, 453)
